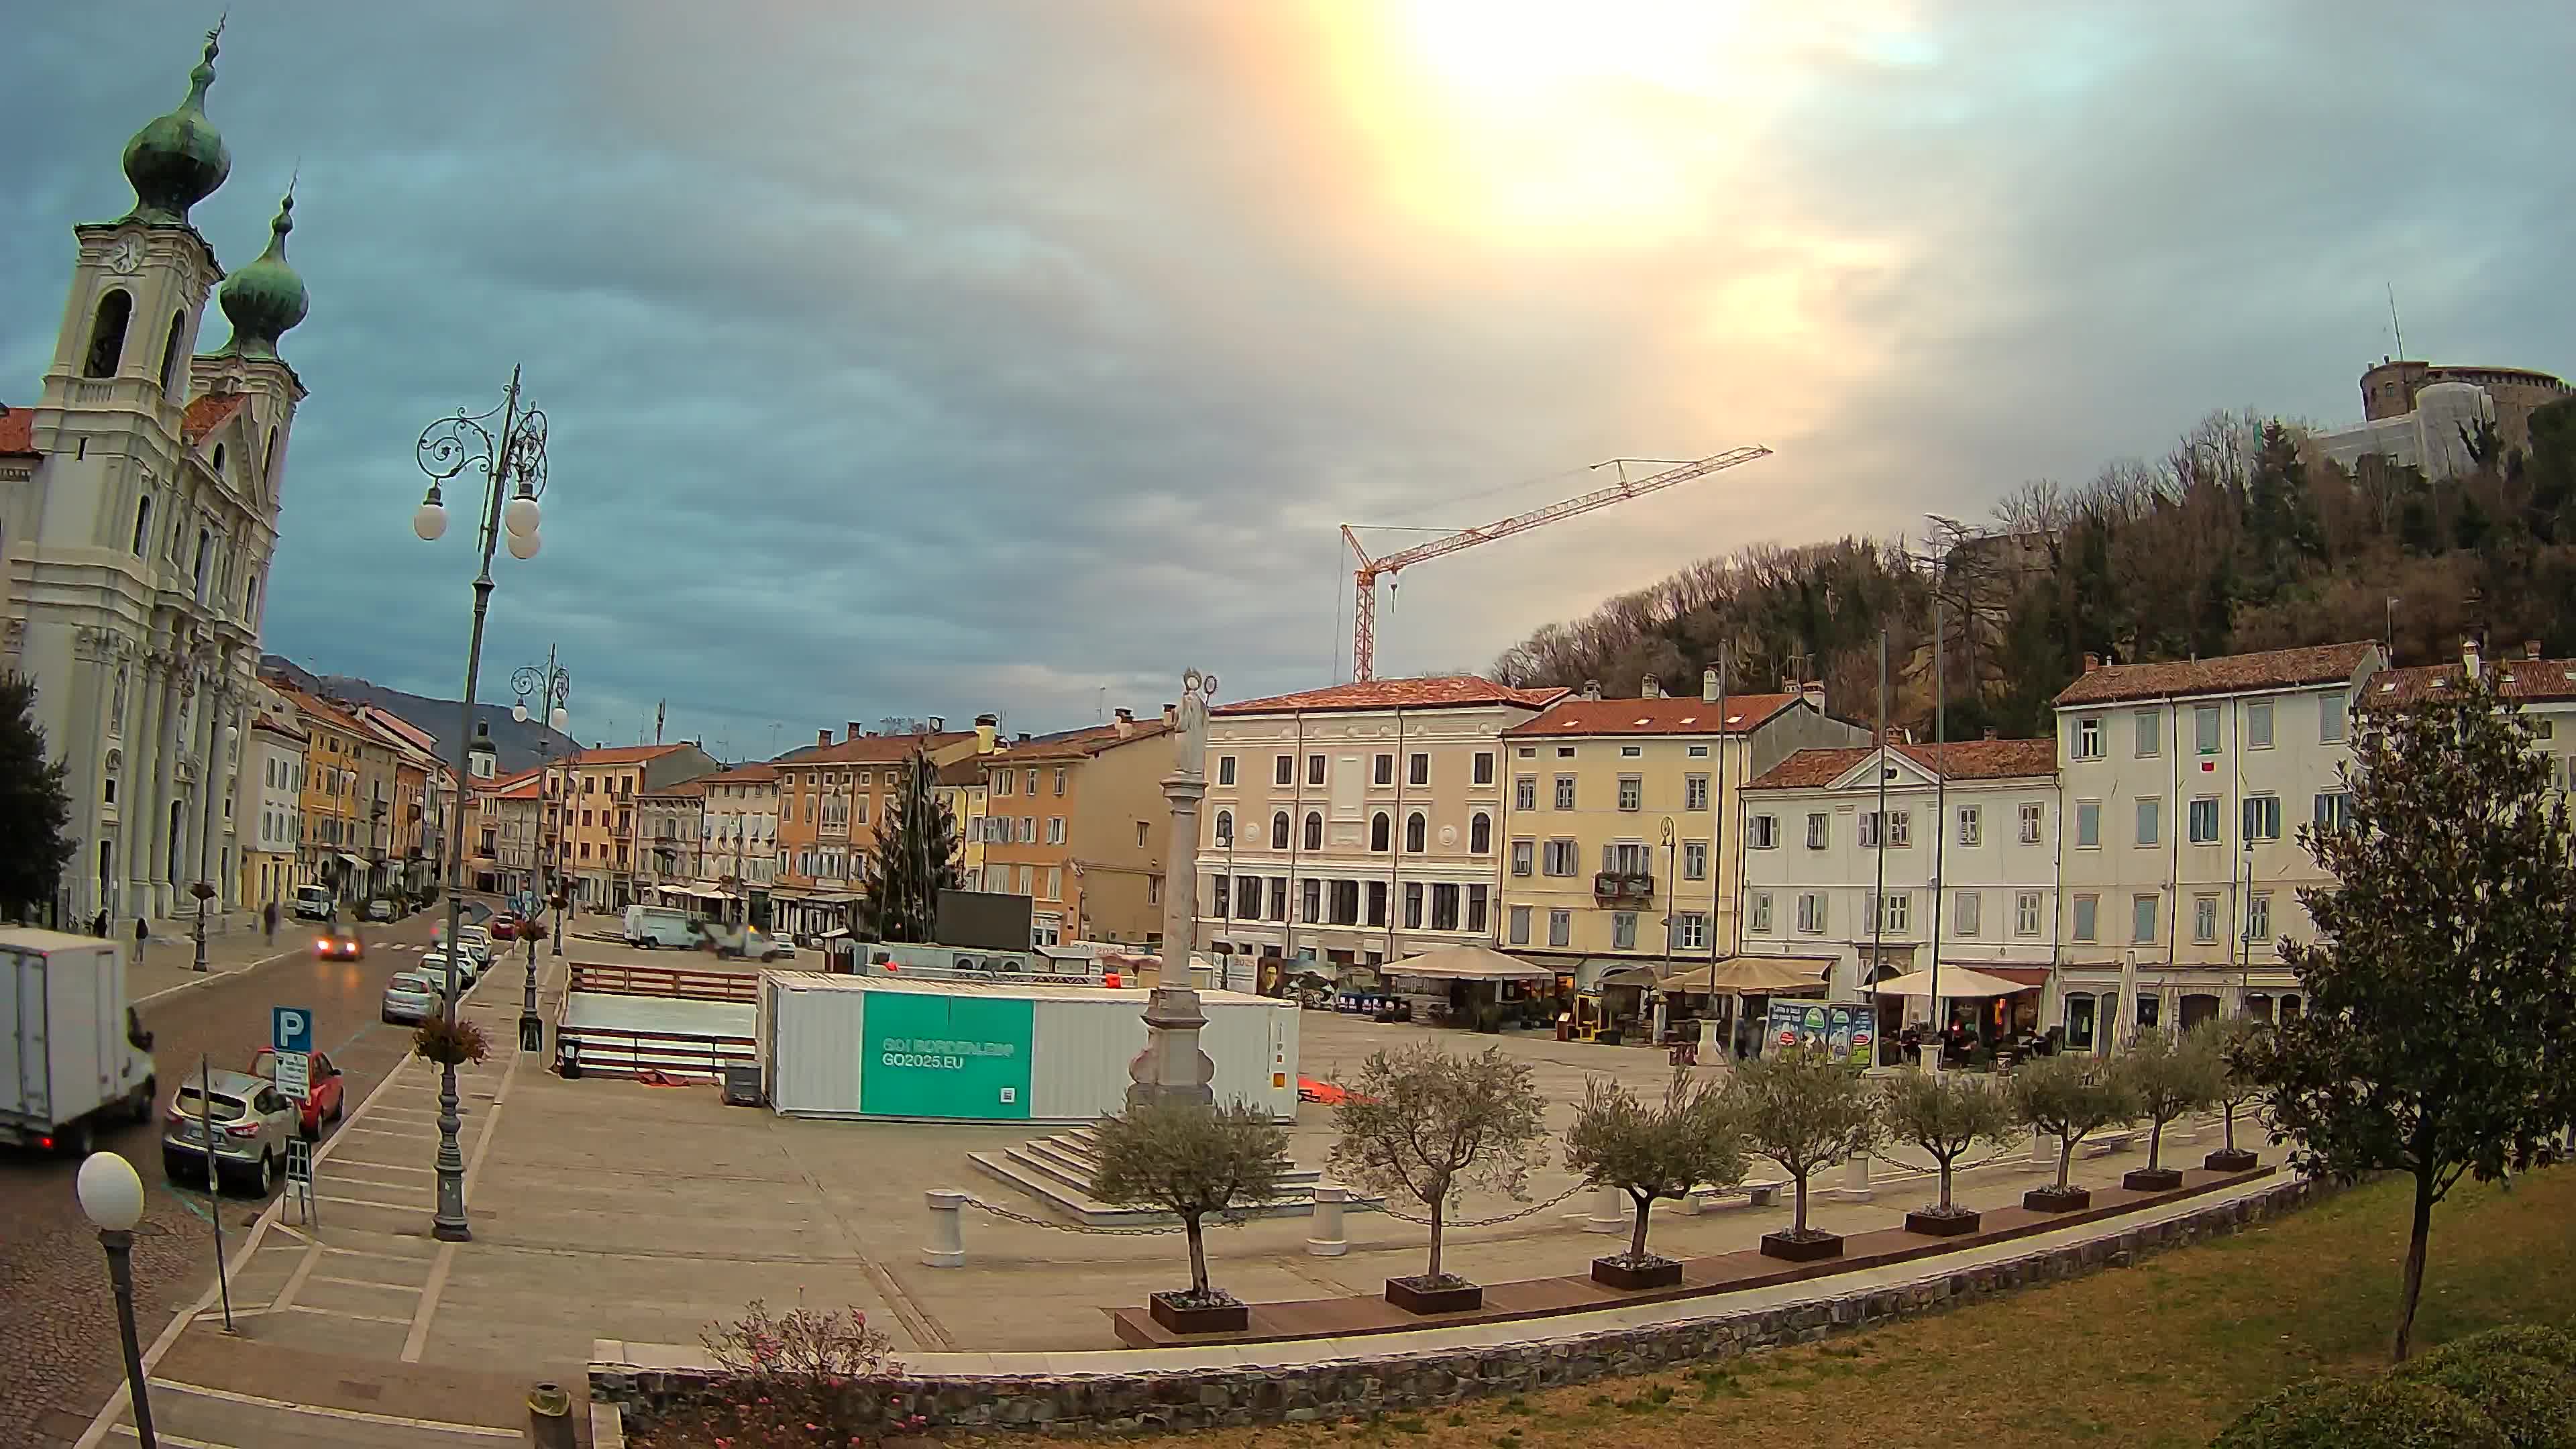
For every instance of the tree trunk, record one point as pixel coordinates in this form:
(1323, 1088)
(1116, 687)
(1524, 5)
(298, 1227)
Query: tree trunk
(1198, 1254)
(2414, 1284)
(2227, 1123)
(1637, 1241)
(1798, 1223)
(1945, 1183)
(1432, 1274)
(2065, 1159)
(2155, 1145)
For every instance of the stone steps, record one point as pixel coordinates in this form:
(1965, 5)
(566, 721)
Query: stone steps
(1057, 1171)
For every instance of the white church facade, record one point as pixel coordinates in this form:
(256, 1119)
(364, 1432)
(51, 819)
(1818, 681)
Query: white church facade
(139, 500)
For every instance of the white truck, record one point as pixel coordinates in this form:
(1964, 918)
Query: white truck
(73, 1057)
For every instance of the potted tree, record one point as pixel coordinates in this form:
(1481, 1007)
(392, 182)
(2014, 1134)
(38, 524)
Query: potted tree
(1191, 1160)
(1946, 1114)
(2238, 1043)
(1804, 1110)
(1426, 1125)
(2069, 1098)
(2168, 1076)
(1649, 1153)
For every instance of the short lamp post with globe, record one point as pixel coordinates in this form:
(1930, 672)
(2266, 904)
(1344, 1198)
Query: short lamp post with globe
(514, 458)
(552, 688)
(111, 1197)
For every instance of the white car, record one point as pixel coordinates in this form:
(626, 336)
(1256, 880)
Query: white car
(410, 998)
(433, 968)
(477, 943)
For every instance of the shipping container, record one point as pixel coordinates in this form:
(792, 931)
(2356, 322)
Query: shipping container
(857, 1046)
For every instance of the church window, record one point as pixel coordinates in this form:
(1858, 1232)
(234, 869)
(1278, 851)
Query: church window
(142, 523)
(219, 460)
(107, 334)
(170, 352)
(268, 463)
(205, 551)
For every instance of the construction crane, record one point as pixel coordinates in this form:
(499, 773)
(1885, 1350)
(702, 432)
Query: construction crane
(1364, 578)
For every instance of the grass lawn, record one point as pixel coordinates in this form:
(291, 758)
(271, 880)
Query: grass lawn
(2163, 1354)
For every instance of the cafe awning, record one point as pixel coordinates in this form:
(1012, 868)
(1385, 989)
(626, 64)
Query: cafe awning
(1956, 981)
(1630, 976)
(1751, 976)
(1468, 963)
(352, 861)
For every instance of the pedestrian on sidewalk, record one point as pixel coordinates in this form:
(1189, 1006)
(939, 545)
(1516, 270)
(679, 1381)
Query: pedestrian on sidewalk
(98, 927)
(142, 933)
(268, 920)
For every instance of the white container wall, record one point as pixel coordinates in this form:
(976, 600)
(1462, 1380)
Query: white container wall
(1086, 1040)
(813, 1043)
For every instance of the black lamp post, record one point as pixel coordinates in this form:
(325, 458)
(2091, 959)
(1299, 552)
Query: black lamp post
(516, 456)
(111, 1196)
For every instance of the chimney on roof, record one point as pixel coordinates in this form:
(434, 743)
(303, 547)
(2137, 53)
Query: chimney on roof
(822, 737)
(1708, 685)
(2092, 661)
(1126, 723)
(1592, 689)
(1990, 732)
(2469, 656)
(988, 733)
(850, 730)
(1652, 689)
(1023, 738)
(2530, 648)
(938, 724)
(1813, 691)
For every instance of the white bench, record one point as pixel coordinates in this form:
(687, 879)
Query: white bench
(1764, 1192)
(2105, 1143)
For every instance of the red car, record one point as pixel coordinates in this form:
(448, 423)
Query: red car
(322, 1099)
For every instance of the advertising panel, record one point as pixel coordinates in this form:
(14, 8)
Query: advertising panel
(1848, 1033)
(937, 1055)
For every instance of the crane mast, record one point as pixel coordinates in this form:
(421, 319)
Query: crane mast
(1364, 577)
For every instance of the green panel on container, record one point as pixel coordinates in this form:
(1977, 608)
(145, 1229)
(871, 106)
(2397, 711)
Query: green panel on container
(935, 1055)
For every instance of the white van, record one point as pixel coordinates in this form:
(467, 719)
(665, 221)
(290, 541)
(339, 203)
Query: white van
(313, 903)
(651, 926)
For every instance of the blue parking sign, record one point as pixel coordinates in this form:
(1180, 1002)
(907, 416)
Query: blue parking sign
(290, 1028)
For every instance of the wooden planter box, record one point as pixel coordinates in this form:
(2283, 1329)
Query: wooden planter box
(1941, 1225)
(2151, 1179)
(2231, 1159)
(1198, 1317)
(2050, 1200)
(1620, 1273)
(1414, 1296)
(1808, 1249)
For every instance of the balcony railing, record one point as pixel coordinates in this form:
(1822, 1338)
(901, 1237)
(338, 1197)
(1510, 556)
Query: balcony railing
(1622, 885)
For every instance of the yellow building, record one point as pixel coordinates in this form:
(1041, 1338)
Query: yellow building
(961, 788)
(339, 755)
(1080, 826)
(599, 814)
(1615, 821)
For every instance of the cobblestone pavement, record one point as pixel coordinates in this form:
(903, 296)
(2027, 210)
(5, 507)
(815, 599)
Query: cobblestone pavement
(63, 1355)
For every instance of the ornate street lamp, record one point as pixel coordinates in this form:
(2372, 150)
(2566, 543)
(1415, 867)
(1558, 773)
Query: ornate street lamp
(552, 689)
(514, 458)
(111, 1197)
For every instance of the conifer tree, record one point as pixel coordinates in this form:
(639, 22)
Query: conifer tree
(916, 858)
(34, 811)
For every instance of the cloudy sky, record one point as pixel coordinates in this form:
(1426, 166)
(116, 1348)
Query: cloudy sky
(927, 358)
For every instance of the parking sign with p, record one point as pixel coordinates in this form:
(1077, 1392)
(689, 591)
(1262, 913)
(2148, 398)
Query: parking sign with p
(290, 1028)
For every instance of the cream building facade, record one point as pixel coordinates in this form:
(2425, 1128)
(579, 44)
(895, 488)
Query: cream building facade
(1359, 824)
(139, 499)
(1618, 822)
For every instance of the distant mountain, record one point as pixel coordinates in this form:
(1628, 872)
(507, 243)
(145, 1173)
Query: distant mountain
(517, 746)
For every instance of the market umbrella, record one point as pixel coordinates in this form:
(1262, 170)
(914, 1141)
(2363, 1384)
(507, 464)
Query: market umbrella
(1956, 981)
(1751, 976)
(1468, 963)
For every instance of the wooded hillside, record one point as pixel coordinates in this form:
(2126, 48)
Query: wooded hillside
(2229, 542)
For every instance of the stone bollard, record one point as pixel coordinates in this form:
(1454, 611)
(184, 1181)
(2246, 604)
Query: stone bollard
(549, 1417)
(1330, 1239)
(947, 1248)
(1856, 1178)
(2043, 1152)
(1609, 1212)
(1688, 1204)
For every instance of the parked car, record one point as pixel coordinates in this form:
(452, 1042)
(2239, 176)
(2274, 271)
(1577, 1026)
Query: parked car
(313, 903)
(250, 1120)
(781, 948)
(339, 943)
(433, 966)
(380, 909)
(321, 1088)
(477, 942)
(410, 998)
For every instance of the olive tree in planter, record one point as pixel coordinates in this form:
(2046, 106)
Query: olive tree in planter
(1946, 1114)
(2237, 1043)
(2169, 1075)
(1653, 1152)
(1805, 1110)
(2069, 1098)
(1191, 1160)
(1426, 1125)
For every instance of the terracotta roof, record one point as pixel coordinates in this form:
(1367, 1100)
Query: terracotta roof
(623, 754)
(1670, 716)
(1079, 744)
(1963, 760)
(697, 787)
(518, 787)
(2522, 679)
(1452, 691)
(275, 725)
(873, 749)
(321, 709)
(2227, 674)
(17, 432)
(208, 412)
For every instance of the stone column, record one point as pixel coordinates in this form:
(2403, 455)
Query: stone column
(1172, 1067)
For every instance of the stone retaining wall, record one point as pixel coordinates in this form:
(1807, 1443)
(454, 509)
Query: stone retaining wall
(1401, 1381)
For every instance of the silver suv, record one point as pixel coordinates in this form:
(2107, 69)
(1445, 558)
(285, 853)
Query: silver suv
(251, 1120)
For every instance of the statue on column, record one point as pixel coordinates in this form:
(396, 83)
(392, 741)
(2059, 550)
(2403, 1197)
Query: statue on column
(1172, 1067)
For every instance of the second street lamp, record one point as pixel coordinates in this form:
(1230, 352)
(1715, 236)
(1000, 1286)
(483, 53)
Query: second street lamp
(515, 456)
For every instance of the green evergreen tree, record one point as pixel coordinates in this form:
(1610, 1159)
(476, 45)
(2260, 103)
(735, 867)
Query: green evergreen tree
(916, 858)
(34, 811)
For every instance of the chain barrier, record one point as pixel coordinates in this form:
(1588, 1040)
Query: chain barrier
(1445, 1224)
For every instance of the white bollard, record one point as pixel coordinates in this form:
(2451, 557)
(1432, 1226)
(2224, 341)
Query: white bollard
(2043, 1152)
(1688, 1205)
(1856, 1178)
(1609, 1211)
(947, 1247)
(1329, 1238)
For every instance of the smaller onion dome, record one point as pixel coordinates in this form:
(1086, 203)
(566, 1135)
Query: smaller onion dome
(265, 298)
(179, 159)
